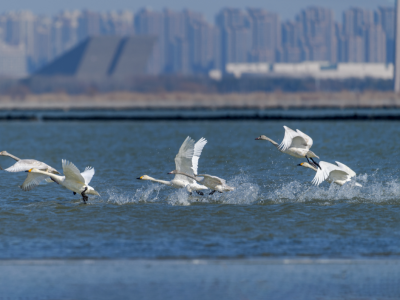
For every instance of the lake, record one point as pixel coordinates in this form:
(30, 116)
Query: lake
(275, 212)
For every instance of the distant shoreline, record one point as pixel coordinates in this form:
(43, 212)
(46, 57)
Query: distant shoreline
(184, 100)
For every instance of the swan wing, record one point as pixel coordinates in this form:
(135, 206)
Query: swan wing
(198, 147)
(324, 172)
(27, 164)
(340, 176)
(210, 180)
(71, 172)
(292, 139)
(346, 169)
(32, 181)
(307, 138)
(88, 174)
(183, 160)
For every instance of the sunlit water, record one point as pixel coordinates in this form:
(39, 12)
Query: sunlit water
(274, 211)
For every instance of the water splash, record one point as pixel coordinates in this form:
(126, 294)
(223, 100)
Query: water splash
(246, 192)
(179, 197)
(145, 194)
(372, 191)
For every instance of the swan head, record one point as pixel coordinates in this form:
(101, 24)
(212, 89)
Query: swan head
(173, 172)
(4, 153)
(144, 177)
(33, 170)
(312, 154)
(262, 137)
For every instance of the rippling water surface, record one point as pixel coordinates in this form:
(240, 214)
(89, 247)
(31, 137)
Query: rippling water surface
(274, 211)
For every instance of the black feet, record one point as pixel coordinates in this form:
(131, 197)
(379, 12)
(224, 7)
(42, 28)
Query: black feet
(200, 193)
(315, 163)
(212, 192)
(84, 197)
(74, 193)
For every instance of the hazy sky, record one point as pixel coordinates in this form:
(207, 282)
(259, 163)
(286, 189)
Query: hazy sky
(286, 8)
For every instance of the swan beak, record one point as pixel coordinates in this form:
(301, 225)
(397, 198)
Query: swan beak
(29, 170)
(139, 177)
(257, 139)
(299, 165)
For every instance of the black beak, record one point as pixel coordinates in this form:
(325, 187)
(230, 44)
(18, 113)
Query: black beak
(26, 171)
(138, 178)
(299, 165)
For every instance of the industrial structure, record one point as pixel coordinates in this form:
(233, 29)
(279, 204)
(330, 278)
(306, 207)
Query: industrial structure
(101, 57)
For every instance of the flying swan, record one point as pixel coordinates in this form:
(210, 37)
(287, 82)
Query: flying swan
(214, 183)
(186, 161)
(73, 179)
(295, 143)
(23, 165)
(339, 173)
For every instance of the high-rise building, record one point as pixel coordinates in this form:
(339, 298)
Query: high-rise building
(235, 36)
(375, 44)
(12, 61)
(318, 36)
(202, 38)
(265, 35)
(385, 16)
(149, 22)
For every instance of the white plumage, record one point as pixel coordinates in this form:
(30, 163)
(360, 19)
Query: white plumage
(339, 173)
(186, 161)
(72, 179)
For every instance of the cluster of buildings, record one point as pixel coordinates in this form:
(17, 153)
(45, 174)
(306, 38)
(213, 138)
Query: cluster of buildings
(186, 43)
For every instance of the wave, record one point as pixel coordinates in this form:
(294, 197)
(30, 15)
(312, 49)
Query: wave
(247, 192)
(145, 194)
(372, 191)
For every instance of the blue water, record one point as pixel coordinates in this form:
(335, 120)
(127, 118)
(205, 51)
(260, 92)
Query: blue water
(274, 211)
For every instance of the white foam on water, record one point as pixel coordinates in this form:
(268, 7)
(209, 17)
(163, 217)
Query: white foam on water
(372, 191)
(145, 194)
(245, 192)
(179, 197)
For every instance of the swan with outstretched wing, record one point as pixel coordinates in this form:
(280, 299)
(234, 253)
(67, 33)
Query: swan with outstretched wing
(295, 143)
(72, 179)
(339, 173)
(186, 162)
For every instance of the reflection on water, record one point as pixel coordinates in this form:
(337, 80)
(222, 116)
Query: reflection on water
(274, 210)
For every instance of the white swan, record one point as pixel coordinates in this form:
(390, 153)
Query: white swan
(295, 143)
(73, 179)
(185, 161)
(214, 183)
(23, 165)
(339, 173)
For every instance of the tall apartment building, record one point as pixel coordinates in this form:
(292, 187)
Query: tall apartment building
(235, 37)
(265, 35)
(318, 34)
(385, 16)
(188, 44)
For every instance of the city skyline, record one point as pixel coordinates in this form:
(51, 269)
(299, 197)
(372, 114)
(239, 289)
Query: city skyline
(287, 9)
(189, 44)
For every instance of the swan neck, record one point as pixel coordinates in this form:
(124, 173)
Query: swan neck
(160, 181)
(273, 142)
(312, 168)
(190, 176)
(56, 178)
(12, 156)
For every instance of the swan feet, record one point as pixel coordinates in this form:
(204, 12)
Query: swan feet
(200, 193)
(84, 197)
(313, 162)
(212, 192)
